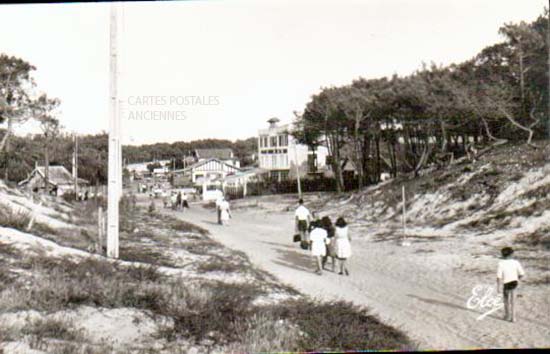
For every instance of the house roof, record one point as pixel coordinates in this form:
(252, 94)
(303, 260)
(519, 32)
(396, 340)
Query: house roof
(223, 154)
(254, 171)
(57, 175)
(203, 162)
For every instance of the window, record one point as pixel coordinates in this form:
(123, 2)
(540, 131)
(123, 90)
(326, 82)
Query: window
(273, 141)
(284, 175)
(263, 141)
(312, 163)
(273, 160)
(283, 140)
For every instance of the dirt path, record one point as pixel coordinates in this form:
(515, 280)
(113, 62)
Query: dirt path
(428, 302)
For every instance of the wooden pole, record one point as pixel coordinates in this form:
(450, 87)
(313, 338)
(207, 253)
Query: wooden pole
(404, 211)
(404, 242)
(100, 229)
(75, 166)
(297, 172)
(114, 145)
(548, 68)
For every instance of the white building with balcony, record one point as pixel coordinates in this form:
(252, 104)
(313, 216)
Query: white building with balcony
(279, 152)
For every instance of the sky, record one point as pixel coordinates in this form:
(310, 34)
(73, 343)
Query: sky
(220, 69)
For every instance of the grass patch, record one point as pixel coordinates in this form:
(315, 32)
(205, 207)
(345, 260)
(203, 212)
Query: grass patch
(51, 328)
(338, 326)
(144, 254)
(215, 316)
(502, 218)
(64, 283)
(14, 219)
(539, 238)
(219, 264)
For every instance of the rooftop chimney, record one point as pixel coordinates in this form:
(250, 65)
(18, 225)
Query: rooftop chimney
(273, 122)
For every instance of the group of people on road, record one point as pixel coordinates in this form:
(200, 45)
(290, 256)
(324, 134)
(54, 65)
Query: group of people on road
(323, 239)
(178, 201)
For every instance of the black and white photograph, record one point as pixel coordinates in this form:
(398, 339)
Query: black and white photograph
(274, 176)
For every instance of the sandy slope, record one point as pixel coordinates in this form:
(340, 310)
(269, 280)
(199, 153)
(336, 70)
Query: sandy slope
(422, 289)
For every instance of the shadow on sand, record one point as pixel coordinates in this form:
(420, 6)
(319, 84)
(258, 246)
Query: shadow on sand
(448, 304)
(210, 222)
(294, 258)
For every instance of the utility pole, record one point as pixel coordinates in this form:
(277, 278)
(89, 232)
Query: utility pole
(404, 241)
(548, 69)
(297, 172)
(114, 168)
(75, 165)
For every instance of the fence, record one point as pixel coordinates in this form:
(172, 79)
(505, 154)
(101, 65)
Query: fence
(268, 187)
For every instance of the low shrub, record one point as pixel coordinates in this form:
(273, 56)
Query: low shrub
(338, 325)
(215, 316)
(51, 328)
(219, 264)
(15, 219)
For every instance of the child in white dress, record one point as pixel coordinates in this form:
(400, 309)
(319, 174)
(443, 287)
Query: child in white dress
(319, 238)
(343, 244)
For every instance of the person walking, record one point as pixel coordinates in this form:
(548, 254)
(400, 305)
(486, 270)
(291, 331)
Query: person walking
(509, 272)
(165, 199)
(343, 244)
(178, 201)
(329, 228)
(184, 202)
(174, 201)
(219, 201)
(225, 212)
(318, 237)
(302, 218)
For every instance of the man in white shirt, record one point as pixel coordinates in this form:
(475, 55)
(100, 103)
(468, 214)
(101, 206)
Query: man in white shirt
(302, 218)
(508, 273)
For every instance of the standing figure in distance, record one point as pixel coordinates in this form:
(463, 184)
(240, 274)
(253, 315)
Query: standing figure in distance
(225, 212)
(219, 201)
(302, 219)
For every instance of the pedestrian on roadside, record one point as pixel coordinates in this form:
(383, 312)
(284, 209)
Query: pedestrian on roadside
(178, 200)
(318, 237)
(184, 202)
(165, 199)
(219, 201)
(343, 244)
(302, 218)
(329, 228)
(174, 201)
(225, 212)
(509, 272)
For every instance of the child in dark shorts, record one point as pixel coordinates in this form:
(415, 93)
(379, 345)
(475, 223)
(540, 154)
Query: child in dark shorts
(508, 273)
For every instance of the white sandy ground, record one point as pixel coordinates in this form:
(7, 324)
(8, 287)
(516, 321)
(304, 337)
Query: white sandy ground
(121, 328)
(29, 244)
(421, 289)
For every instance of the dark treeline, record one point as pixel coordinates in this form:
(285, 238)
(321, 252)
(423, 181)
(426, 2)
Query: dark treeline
(242, 149)
(402, 124)
(24, 152)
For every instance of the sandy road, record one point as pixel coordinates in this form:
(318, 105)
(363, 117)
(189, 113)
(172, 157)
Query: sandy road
(428, 303)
